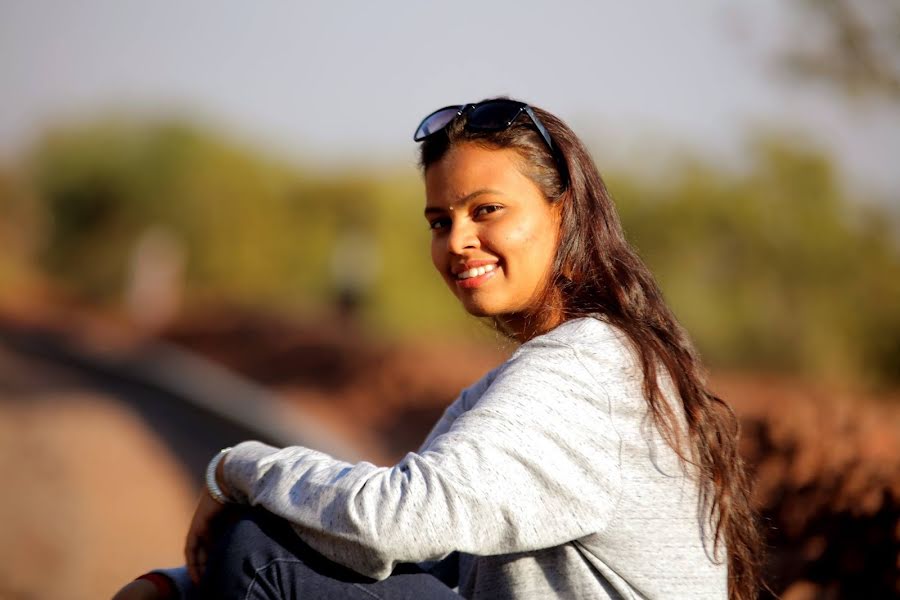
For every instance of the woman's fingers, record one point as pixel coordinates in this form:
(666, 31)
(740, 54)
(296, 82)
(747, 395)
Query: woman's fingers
(196, 554)
(197, 565)
(190, 559)
(199, 537)
(192, 564)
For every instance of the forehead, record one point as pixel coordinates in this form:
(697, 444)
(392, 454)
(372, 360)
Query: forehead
(468, 167)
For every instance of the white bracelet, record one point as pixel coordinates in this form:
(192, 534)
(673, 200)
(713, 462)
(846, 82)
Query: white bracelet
(211, 485)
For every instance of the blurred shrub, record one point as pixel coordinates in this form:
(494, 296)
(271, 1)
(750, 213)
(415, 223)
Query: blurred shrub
(774, 267)
(255, 231)
(106, 184)
(20, 231)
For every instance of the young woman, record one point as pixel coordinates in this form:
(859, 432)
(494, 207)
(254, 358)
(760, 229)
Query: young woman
(594, 463)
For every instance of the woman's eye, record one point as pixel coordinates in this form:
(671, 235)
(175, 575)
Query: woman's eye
(486, 209)
(437, 224)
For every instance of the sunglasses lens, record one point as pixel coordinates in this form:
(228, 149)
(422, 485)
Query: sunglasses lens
(492, 116)
(435, 122)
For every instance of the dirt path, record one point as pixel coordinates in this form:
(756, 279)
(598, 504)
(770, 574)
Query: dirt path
(92, 497)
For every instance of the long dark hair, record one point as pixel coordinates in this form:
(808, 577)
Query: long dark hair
(596, 272)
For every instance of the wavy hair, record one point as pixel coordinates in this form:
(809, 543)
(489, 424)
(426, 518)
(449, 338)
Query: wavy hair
(596, 272)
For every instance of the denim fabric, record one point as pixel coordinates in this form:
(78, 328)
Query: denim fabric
(260, 558)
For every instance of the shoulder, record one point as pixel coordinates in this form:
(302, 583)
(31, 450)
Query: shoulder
(598, 347)
(584, 332)
(573, 358)
(579, 357)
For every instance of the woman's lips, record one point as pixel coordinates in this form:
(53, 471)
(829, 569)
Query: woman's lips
(476, 277)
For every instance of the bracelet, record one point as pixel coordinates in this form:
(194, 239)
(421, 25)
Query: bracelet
(211, 485)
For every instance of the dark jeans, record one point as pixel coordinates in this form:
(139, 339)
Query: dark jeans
(259, 557)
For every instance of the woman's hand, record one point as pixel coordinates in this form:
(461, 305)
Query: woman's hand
(201, 534)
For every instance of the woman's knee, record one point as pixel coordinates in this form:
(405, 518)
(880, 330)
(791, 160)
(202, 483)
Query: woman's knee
(241, 546)
(258, 555)
(244, 534)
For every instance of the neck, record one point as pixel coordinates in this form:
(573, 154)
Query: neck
(523, 327)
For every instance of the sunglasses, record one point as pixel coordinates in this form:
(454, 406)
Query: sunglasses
(490, 115)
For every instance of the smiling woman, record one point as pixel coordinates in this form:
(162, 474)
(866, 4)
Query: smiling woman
(594, 463)
(494, 234)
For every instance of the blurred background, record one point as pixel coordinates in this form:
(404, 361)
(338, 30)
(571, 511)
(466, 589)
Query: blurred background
(210, 229)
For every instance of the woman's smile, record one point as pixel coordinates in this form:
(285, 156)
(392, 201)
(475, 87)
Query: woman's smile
(475, 276)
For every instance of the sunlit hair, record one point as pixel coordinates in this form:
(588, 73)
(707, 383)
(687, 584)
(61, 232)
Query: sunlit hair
(597, 273)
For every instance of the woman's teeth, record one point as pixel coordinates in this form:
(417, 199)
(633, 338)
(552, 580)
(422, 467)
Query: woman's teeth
(475, 272)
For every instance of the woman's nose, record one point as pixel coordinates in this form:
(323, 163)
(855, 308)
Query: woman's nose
(463, 236)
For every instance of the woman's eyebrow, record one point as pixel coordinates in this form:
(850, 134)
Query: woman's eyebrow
(439, 209)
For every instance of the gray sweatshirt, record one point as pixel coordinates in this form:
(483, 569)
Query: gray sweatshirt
(546, 475)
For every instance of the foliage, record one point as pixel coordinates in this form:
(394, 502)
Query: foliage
(20, 230)
(773, 267)
(851, 45)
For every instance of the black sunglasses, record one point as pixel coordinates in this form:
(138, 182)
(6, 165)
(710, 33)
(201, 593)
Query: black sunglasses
(490, 115)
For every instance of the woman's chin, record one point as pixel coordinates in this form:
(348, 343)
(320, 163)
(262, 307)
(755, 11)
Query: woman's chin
(476, 307)
(479, 311)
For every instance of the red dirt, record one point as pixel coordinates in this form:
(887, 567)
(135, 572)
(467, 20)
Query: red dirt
(826, 462)
(91, 497)
(99, 499)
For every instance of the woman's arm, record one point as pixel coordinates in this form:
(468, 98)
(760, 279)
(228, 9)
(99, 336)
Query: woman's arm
(461, 404)
(533, 464)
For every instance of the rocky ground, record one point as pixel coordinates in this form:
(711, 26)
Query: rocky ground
(827, 482)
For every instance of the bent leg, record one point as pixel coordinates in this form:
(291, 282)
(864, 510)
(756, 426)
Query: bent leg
(261, 558)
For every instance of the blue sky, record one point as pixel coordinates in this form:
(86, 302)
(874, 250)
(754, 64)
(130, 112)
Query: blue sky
(348, 81)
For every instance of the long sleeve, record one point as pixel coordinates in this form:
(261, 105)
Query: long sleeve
(461, 404)
(533, 463)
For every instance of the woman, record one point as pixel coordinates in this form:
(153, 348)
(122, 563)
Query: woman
(594, 463)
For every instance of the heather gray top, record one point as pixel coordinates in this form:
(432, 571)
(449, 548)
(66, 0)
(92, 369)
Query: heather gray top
(545, 475)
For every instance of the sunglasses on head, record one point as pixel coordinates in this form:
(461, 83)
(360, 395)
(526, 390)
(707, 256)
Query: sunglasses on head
(490, 115)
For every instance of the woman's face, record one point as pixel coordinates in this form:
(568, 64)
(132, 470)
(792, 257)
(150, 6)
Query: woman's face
(494, 234)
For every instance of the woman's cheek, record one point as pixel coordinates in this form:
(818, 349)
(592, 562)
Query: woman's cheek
(521, 239)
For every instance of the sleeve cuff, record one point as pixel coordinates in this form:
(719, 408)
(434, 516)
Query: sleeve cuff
(240, 468)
